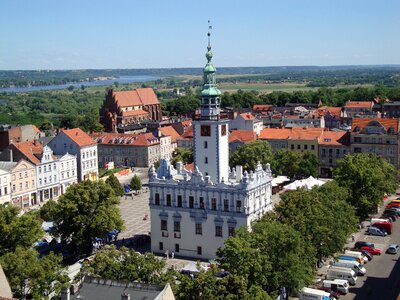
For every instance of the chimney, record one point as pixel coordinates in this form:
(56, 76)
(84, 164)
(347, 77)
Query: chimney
(11, 155)
(239, 173)
(65, 293)
(125, 296)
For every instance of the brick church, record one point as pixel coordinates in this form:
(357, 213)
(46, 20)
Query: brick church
(124, 108)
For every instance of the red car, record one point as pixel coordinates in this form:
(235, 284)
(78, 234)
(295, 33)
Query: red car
(371, 250)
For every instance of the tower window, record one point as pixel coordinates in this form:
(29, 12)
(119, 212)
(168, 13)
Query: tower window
(199, 250)
(164, 225)
(157, 198)
(214, 204)
(205, 145)
(179, 200)
(206, 160)
(191, 201)
(226, 205)
(199, 229)
(223, 129)
(218, 230)
(168, 199)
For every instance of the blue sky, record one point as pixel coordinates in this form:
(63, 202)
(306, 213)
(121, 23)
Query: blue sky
(50, 34)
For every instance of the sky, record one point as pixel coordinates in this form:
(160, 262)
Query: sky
(101, 34)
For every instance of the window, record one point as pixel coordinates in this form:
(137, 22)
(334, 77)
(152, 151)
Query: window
(312, 147)
(20, 186)
(20, 175)
(357, 139)
(161, 246)
(205, 145)
(13, 187)
(337, 152)
(323, 152)
(199, 228)
(206, 160)
(26, 185)
(54, 166)
(223, 130)
(298, 147)
(199, 250)
(218, 230)
(305, 147)
(40, 181)
(157, 198)
(191, 201)
(40, 170)
(177, 248)
(179, 200)
(33, 183)
(330, 151)
(214, 204)
(168, 199)
(292, 147)
(226, 205)
(177, 226)
(238, 206)
(231, 231)
(164, 225)
(202, 203)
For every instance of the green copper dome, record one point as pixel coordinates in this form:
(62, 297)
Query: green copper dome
(209, 68)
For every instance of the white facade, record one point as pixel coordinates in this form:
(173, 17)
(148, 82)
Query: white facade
(166, 147)
(47, 176)
(246, 121)
(193, 213)
(5, 190)
(88, 163)
(67, 171)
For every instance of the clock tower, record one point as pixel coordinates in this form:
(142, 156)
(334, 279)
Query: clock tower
(211, 144)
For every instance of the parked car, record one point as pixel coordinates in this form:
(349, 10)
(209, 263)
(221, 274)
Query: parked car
(376, 231)
(393, 249)
(393, 210)
(365, 253)
(390, 216)
(393, 204)
(388, 227)
(372, 250)
(360, 244)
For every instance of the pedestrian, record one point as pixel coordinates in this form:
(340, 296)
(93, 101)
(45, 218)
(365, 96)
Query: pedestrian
(167, 254)
(353, 238)
(172, 254)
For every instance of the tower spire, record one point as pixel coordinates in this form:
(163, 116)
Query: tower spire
(209, 36)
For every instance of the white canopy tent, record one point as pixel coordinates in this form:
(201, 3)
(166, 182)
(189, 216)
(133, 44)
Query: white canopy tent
(307, 183)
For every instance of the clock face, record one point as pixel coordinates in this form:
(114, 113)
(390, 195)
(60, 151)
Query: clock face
(223, 129)
(205, 130)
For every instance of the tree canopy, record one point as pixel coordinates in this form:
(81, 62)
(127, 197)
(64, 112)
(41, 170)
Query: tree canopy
(87, 210)
(249, 154)
(183, 155)
(367, 177)
(113, 182)
(295, 164)
(18, 231)
(136, 183)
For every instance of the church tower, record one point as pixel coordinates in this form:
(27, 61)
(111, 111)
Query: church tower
(211, 144)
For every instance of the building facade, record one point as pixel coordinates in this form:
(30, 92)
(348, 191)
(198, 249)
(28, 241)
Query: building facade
(193, 213)
(23, 185)
(246, 121)
(5, 183)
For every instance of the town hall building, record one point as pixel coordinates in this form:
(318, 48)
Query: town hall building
(192, 213)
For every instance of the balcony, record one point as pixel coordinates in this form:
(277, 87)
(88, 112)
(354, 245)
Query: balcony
(164, 233)
(177, 235)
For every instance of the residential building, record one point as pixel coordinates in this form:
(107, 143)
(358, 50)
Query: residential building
(67, 171)
(246, 121)
(14, 134)
(333, 116)
(5, 184)
(391, 109)
(186, 139)
(170, 131)
(131, 150)
(78, 143)
(303, 121)
(238, 138)
(359, 108)
(376, 135)
(23, 184)
(276, 137)
(123, 108)
(193, 213)
(333, 146)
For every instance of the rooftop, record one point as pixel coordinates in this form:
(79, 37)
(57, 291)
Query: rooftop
(79, 137)
(138, 97)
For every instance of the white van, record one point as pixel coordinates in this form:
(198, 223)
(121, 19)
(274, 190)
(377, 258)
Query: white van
(342, 273)
(352, 264)
(312, 294)
(349, 252)
(340, 285)
(357, 255)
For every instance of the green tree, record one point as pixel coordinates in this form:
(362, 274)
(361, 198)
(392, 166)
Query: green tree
(322, 216)
(87, 210)
(286, 162)
(249, 154)
(309, 165)
(183, 155)
(269, 256)
(115, 185)
(126, 264)
(18, 231)
(136, 183)
(367, 177)
(29, 274)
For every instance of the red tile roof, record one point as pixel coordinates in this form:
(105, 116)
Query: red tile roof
(186, 123)
(244, 136)
(79, 137)
(247, 116)
(189, 167)
(291, 133)
(124, 139)
(187, 135)
(335, 138)
(275, 133)
(386, 123)
(138, 97)
(131, 113)
(263, 107)
(334, 111)
(359, 104)
(169, 130)
(31, 150)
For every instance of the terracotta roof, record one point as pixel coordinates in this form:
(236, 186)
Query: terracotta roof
(244, 136)
(187, 135)
(124, 139)
(79, 137)
(335, 111)
(335, 138)
(31, 150)
(264, 107)
(386, 123)
(359, 104)
(131, 113)
(247, 116)
(186, 123)
(291, 133)
(145, 96)
(189, 167)
(169, 130)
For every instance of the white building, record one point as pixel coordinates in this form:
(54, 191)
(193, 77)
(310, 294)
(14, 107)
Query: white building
(78, 143)
(47, 175)
(5, 182)
(193, 213)
(247, 121)
(67, 171)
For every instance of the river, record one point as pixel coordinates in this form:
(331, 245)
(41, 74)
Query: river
(120, 80)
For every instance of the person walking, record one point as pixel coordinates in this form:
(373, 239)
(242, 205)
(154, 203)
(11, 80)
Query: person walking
(172, 254)
(353, 238)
